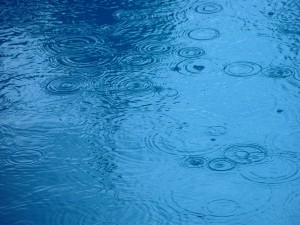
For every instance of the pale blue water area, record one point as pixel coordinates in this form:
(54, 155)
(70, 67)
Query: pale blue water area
(149, 112)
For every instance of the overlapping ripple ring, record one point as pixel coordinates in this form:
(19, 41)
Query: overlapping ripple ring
(246, 153)
(66, 45)
(100, 57)
(203, 34)
(222, 207)
(191, 52)
(281, 72)
(242, 69)
(125, 84)
(208, 8)
(175, 16)
(68, 30)
(175, 139)
(276, 170)
(64, 85)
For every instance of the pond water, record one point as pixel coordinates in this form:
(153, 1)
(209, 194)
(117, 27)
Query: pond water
(149, 112)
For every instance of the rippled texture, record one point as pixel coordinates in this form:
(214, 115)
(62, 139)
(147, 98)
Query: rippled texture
(159, 112)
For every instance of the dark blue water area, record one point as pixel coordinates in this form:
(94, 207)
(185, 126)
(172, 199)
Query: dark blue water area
(149, 112)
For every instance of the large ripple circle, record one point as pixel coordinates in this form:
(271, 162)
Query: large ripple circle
(276, 170)
(218, 198)
(126, 84)
(242, 69)
(24, 157)
(101, 57)
(180, 140)
(72, 44)
(64, 85)
(203, 34)
(208, 8)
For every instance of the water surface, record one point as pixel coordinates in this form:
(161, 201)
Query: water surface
(123, 112)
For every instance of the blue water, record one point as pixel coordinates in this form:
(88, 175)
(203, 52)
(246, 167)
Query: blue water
(149, 112)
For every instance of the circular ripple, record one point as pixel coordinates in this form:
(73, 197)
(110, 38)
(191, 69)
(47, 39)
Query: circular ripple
(192, 67)
(246, 154)
(221, 164)
(73, 44)
(191, 52)
(24, 157)
(64, 85)
(193, 162)
(154, 47)
(203, 34)
(242, 69)
(101, 57)
(133, 90)
(137, 60)
(280, 72)
(218, 198)
(180, 139)
(276, 170)
(222, 207)
(208, 8)
(216, 131)
(125, 84)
